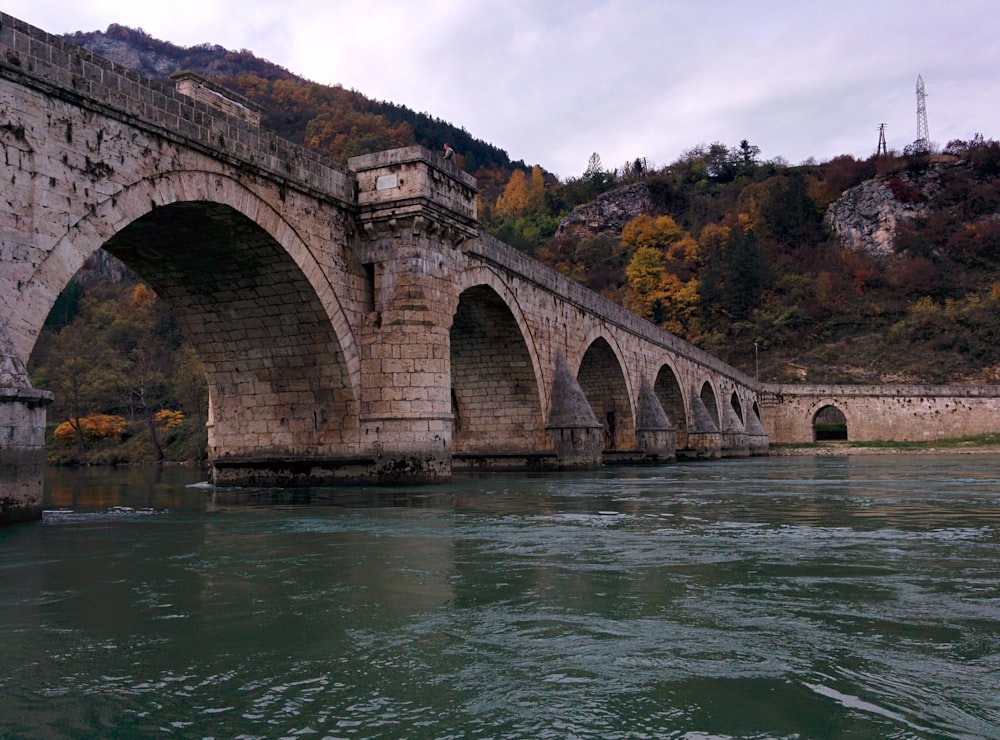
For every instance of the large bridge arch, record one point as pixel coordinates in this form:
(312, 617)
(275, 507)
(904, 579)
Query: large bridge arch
(280, 360)
(496, 393)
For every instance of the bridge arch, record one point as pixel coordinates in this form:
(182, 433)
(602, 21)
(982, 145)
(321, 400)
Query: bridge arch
(495, 391)
(829, 423)
(737, 406)
(605, 383)
(708, 397)
(668, 390)
(279, 357)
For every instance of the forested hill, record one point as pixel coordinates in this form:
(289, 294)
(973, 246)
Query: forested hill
(737, 255)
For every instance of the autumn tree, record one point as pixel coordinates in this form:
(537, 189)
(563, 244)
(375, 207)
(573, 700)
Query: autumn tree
(515, 197)
(662, 271)
(121, 353)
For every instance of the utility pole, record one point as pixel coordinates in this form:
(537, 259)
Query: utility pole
(882, 149)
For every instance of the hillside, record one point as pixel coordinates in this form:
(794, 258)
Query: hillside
(878, 271)
(828, 268)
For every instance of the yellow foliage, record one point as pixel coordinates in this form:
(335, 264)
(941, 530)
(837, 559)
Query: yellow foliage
(713, 238)
(515, 198)
(645, 270)
(646, 231)
(750, 205)
(142, 295)
(94, 427)
(169, 418)
(536, 189)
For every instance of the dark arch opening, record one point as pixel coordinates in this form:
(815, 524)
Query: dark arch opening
(275, 371)
(494, 394)
(668, 391)
(829, 423)
(734, 401)
(603, 383)
(707, 396)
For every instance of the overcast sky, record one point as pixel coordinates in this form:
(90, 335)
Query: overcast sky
(552, 81)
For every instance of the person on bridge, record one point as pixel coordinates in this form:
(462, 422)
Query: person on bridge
(449, 153)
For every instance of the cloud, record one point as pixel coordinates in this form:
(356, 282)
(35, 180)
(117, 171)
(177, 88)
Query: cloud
(553, 82)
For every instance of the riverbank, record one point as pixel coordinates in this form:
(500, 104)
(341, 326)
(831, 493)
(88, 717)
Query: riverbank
(978, 445)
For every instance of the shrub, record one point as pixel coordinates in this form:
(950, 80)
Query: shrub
(169, 418)
(94, 427)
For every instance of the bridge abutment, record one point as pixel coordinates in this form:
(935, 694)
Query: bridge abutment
(22, 439)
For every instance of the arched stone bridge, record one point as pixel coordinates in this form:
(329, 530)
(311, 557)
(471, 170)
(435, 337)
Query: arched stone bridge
(354, 324)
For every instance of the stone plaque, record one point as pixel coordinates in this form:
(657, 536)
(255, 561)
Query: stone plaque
(385, 182)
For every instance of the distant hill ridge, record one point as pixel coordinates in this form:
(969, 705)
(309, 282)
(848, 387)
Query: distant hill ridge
(327, 118)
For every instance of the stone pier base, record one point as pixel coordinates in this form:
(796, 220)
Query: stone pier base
(300, 471)
(22, 453)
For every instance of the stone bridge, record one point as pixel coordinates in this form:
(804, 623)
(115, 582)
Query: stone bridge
(355, 324)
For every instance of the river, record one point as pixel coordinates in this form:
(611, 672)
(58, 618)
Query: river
(794, 597)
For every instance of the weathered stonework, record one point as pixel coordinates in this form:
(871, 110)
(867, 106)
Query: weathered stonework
(917, 413)
(354, 324)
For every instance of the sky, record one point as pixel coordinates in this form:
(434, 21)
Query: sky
(553, 81)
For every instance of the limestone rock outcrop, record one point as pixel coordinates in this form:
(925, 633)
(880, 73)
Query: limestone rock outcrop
(865, 218)
(608, 212)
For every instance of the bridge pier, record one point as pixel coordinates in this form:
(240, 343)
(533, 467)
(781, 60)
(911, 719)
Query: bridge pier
(573, 429)
(655, 435)
(704, 441)
(22, 453)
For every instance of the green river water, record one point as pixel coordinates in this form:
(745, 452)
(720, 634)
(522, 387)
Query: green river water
(794, 597)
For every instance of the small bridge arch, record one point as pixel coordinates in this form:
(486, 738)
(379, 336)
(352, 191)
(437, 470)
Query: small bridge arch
(604, 381)
(829, 423)
(669, 393)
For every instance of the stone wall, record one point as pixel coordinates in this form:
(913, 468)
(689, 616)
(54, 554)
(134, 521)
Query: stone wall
(900, 413)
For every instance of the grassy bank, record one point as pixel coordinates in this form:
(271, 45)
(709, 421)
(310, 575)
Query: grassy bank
(979, 443)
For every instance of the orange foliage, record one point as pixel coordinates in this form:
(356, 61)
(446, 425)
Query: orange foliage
(169, 418)
(94, 427)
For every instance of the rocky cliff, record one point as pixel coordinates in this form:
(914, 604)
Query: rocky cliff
(609, 212)
(866, 217)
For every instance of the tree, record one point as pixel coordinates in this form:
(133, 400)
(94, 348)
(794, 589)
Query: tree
(679, 251)
(745, 273)
(515, 198)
